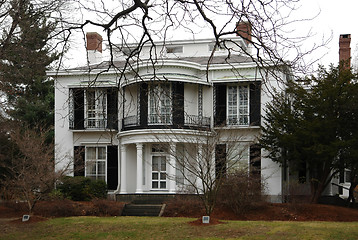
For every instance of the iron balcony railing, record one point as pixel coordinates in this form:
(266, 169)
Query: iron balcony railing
(189, 120)
(130, 121)
(104, 123)
(197, 121)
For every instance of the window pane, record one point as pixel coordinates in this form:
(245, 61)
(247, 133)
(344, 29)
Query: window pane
(102, 153)
(91, 153)
(101, 168)
(92, 177)
(91, 168)
(103, 178)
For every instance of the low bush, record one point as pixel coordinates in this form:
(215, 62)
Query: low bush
(82, 188)
(68, 208)
(102, 207)
(184, 206)
(241, 191)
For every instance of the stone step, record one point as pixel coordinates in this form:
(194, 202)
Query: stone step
(143, 209)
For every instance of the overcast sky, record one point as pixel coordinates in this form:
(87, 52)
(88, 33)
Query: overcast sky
(333, 18)
(336, 17)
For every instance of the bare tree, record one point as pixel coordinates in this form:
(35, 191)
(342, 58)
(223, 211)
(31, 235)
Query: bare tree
(202, 161)
(130, 25)
(30, 169)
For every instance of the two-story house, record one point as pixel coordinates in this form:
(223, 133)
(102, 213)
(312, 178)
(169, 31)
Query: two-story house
(112, 125)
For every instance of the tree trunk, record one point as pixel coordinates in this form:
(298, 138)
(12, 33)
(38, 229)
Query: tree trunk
(351, 198)
(316, 191)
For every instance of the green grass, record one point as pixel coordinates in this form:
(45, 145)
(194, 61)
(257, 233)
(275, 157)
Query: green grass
(177, 228)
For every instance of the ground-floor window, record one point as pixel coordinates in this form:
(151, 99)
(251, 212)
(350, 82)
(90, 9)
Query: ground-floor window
(96, 163)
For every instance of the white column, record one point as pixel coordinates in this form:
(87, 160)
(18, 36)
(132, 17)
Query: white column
(123, 169)
(171, 168)
(139, 167)
(200, 164)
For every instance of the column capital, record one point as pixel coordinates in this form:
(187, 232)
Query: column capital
(123, 147)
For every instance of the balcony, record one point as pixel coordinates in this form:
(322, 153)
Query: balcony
(94, 124)
(197, 121)
(190, 122)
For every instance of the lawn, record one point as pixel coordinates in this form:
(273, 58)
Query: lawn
(176, 228)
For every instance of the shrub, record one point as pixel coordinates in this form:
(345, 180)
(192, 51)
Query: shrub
(97, 189)
(82, 188)
(184, 206)
(241, 191)
(297, 192)
(102, 207)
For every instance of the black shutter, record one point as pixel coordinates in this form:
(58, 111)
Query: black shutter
(178, 104)
(79, 115)
(143, 104)
(255, 159)
(79, 161)
(112, 111)
(220, 160)
(255, 104)
(220, 107)
(112, 167)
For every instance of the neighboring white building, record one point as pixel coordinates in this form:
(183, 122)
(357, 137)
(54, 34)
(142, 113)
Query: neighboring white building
(113, 133)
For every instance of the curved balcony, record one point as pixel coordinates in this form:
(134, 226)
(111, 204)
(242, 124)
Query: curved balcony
(190, 122)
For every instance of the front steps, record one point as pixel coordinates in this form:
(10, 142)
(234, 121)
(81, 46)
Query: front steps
(144, 204)
(143, 209)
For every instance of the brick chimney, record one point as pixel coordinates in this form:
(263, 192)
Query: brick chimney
(244, 30)
(345, 49)
(94, 47)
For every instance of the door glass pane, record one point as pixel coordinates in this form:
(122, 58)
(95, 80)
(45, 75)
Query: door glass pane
(155, 163)
(91, 100)
(163, 165)
(155, 176)
(163, 185)
(154, 184)
(162, 176)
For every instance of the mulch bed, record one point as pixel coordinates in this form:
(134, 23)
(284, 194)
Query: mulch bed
(263, 212)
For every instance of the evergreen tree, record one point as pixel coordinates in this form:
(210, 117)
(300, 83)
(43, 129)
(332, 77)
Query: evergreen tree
(306, 126)
(25, 57)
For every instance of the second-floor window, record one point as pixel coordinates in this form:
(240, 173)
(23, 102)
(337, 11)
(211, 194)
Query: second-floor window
(160, 104)
(96, 108)
(238, 105)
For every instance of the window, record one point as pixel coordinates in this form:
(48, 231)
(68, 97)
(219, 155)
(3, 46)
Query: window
(160, 104)
(238, 105)
(96, 163)
(217, 48)
(96, 108)
(174, 49)
(93, 108)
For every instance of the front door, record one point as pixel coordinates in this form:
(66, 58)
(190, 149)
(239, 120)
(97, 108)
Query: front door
(159, 173)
